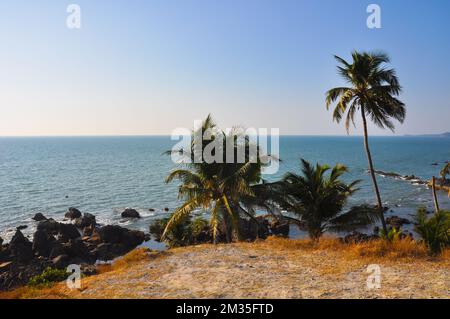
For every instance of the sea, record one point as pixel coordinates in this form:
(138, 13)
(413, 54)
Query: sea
(105, 175)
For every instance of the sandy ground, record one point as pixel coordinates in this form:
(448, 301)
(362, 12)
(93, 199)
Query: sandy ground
(262, 271)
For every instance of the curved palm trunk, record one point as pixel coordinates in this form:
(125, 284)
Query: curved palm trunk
(372, 172)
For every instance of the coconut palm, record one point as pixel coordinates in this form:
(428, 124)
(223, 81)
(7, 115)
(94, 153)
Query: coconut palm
(217, 186)
(444, 172)
(318, 199)
(372, 90)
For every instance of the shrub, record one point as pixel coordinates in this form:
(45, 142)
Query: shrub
(435, 231)
(186, 232)
(393, 234)
(48, 277)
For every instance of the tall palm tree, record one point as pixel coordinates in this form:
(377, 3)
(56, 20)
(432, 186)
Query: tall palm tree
(216, 187)
(373, 90)
(318, 198)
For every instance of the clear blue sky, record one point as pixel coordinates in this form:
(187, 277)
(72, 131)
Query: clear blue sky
(147, 67)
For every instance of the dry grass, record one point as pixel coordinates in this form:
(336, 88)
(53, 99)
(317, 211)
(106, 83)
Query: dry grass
(374, 250)
(203, 270)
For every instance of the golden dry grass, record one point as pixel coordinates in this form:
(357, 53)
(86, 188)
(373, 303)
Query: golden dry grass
(140, 273)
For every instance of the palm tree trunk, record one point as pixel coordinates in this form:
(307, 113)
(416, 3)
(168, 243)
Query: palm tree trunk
(372, 172)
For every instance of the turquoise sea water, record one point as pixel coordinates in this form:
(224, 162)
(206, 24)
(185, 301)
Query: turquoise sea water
(104, 175)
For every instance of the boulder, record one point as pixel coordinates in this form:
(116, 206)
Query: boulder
(108, 251)
(56, 250)
(111, 234)
(72, 213)
(21, 247)
(61, 261)
(42, 243)
(39, 217)
(49, 225)
(68, 232)
(133, 238)
(279, 229)
(88, 231)
(397, 222)
(86, 220)
(1, 242)
(76, 249)
(130, 213)
(21, 227)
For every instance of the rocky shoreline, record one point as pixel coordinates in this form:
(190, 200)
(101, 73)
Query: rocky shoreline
(55, 244)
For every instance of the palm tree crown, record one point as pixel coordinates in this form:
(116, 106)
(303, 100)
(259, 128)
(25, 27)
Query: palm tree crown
(319, 198)
(217, 187)
(373, 90)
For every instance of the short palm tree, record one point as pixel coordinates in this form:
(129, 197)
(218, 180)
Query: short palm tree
(318, 199)
(445, 171)
(216, 187)
(373, 91)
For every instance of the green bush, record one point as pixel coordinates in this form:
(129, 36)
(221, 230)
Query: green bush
(435, 231)
(393, 234)
(186, 232)
(48, 277)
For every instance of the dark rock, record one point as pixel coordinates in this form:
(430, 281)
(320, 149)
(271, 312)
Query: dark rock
(103, 252)
(151, 209)
(130, 213)
(49, 225)
(42, 243)
(61, 261)
(18, 273)
(107, 251)
(86, 220)
(250, 229)
(397, 222)
(56, 250)
(279, 229)
(147, 237)
(111, 233)
(39, 217)
(21, 227)
(88, 231)
(68, 232)
(21, 247)
(166, 209)
(73, 213)
(77, 249)
(133, 238)
(1, 242)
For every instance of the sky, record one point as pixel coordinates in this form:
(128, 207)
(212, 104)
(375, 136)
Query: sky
(149, 67)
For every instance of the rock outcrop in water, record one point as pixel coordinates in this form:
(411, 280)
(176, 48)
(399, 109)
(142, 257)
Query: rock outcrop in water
(130, 213)
(58, 245)
(410, 178)
(73, 213)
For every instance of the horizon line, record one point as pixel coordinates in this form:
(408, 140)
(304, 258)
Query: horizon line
(168, 135)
